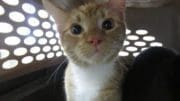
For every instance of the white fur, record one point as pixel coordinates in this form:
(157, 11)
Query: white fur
(89, 81)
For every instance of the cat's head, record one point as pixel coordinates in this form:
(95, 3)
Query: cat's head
(90, 32)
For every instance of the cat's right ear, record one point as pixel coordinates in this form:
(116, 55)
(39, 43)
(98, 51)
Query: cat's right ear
(58, 14)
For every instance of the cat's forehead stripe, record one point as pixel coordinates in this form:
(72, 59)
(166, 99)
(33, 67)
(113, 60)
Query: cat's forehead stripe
(89, 9)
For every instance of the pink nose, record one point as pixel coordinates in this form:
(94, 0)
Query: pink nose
(95, 40)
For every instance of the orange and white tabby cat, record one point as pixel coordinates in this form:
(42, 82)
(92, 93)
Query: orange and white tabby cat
(92, 33)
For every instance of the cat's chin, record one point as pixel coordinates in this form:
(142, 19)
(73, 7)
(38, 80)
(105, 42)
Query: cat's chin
(98, 58)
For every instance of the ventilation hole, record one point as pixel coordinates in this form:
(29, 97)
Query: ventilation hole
(11, 2)
(62, 48)
(145, 48)
(59, 42)
(38, 33)
(148, 38)
(4, 53)
(126, 43)
(58, 54)
(43, 14)
(20, 51)
(132, 37)
(2, 10)
(28, 8)
(34, 22)
(40, 57)
(42, 41)
(136, 54)
(50, 55)
(56, 48)
(156, 44)
(57, 35)
(46, 48)
(53, 41)
(27, 60)
(131, 49)
(23, 31)
(128, 31)
(141, 32)
(35, 50)
(16, 16)
(54, 27)
(5, 28)
(29, 40)
(9, 64)
(49, 34)
(52, 19)
(46, 25)
(12, 40)
(123, 53)
(140, 43)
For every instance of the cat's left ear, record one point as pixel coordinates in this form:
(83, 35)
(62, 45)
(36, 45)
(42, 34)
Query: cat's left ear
(59, 14)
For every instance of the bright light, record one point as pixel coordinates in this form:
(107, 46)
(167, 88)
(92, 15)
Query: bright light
(12, 40)
(23, 31)
(140, 43)
(30, 40)
(58, 54)
(52, 19)
(5, 27)
(128, 31)
(46, 25)
(38, 33)
(11, 2)
(145, 48)
(53, 41)
(56, 48)
(131, 49)
(28, 8)
(50, 55)
(156, 44)
(27, 60)
(54, 27)
(34, 22)
(46, 48)
(35, 50)
(49, 34)
(126, 43)
(16, 16)
(141, 32)
(136, 54)
(123, 53)
(2, 10)
(4, 53)
(43, 14)
(132, 37)
(148, 38)
(40, 57)
(57, 35)
(10, 64)
(20, 51)
(42, 41)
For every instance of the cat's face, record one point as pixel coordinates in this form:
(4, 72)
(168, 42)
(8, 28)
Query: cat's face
(92, 34)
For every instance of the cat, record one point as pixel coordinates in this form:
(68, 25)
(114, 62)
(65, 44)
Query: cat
(92, 33)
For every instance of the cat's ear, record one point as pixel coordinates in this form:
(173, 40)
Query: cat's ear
(58, 13)
(117, 5)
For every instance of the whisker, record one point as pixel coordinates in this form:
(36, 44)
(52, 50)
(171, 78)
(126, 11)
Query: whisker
(54, 74)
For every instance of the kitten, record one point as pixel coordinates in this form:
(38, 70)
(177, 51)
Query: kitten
(92, 33)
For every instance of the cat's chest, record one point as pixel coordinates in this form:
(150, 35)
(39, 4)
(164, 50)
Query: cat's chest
(90, 80)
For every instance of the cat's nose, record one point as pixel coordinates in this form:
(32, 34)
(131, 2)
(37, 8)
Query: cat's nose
(95, 41)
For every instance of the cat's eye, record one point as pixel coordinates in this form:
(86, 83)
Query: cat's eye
(76, 29)
(108, 24)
